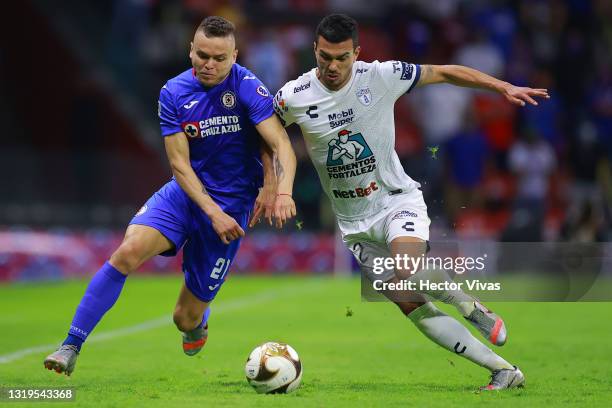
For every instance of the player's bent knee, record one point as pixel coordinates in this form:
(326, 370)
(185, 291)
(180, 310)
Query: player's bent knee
(185, 320)
(128, 257)
(409, 250)
(409, 307)
(405, 273)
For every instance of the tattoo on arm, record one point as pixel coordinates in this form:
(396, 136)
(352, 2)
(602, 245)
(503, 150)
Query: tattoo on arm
(280, 171)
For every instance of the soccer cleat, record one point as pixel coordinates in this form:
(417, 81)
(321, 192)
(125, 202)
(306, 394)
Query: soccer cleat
(490, 325)
(194, 340)
(505, 379)
(63, 359)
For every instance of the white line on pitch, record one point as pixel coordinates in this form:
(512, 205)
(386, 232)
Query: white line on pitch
(222, 307)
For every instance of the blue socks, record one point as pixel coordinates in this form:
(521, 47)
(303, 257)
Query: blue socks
(101, 294)
(205, 317)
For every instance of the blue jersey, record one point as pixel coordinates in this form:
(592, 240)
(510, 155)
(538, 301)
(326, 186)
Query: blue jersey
(219, 123)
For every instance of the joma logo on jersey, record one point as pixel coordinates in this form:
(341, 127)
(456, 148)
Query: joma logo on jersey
(341, 118)
(356, 193)
(349, 156)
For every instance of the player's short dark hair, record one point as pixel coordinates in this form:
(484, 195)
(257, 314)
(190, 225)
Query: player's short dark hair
(336, 28)
(215, 26)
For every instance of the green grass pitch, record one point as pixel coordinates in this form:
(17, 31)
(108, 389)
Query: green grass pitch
(373, 358)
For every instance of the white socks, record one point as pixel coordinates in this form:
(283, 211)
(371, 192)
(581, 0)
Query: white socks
(461, 300)
(453, 336)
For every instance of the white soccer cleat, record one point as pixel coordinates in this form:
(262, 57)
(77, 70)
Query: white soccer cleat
(490, 325)
(505, 379)
(62, 360)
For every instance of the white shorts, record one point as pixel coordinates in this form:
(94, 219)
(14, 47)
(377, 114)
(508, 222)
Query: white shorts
(404, 216)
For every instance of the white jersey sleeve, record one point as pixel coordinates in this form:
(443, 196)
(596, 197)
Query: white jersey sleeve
(281, 105)
(399, 77)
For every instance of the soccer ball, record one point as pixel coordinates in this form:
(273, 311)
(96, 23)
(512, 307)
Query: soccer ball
(274, 368)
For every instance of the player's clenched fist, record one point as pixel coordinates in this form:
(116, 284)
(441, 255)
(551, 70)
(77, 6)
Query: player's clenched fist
(226, 227)
(284, 209)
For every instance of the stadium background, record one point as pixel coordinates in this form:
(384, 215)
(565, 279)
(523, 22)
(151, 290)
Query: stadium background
(81, 150)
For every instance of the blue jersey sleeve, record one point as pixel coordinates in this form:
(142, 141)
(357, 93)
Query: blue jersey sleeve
(167, 113)
(256, 98)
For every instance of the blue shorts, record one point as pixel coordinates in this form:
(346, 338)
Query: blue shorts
(206, 259)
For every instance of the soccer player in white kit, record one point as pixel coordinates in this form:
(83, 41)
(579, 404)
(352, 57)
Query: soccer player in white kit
(344, 108)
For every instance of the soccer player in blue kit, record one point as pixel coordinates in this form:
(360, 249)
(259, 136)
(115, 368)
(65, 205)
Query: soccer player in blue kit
(211, 117)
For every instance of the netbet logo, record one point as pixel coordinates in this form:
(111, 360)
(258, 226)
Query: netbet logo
(356, 193)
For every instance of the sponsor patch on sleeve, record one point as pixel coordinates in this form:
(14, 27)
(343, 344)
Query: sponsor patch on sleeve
(191, 129)
(407, 71)
(263, 91)
(280, 105)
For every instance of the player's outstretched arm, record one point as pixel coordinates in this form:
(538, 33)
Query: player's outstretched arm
(469, 77)
(275, 136)
(177, 149)
(264, 204)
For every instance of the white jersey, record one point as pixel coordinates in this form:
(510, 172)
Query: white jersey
(350, 133)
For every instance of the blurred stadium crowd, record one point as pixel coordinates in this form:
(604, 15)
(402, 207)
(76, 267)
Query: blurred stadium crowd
(82, 149)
